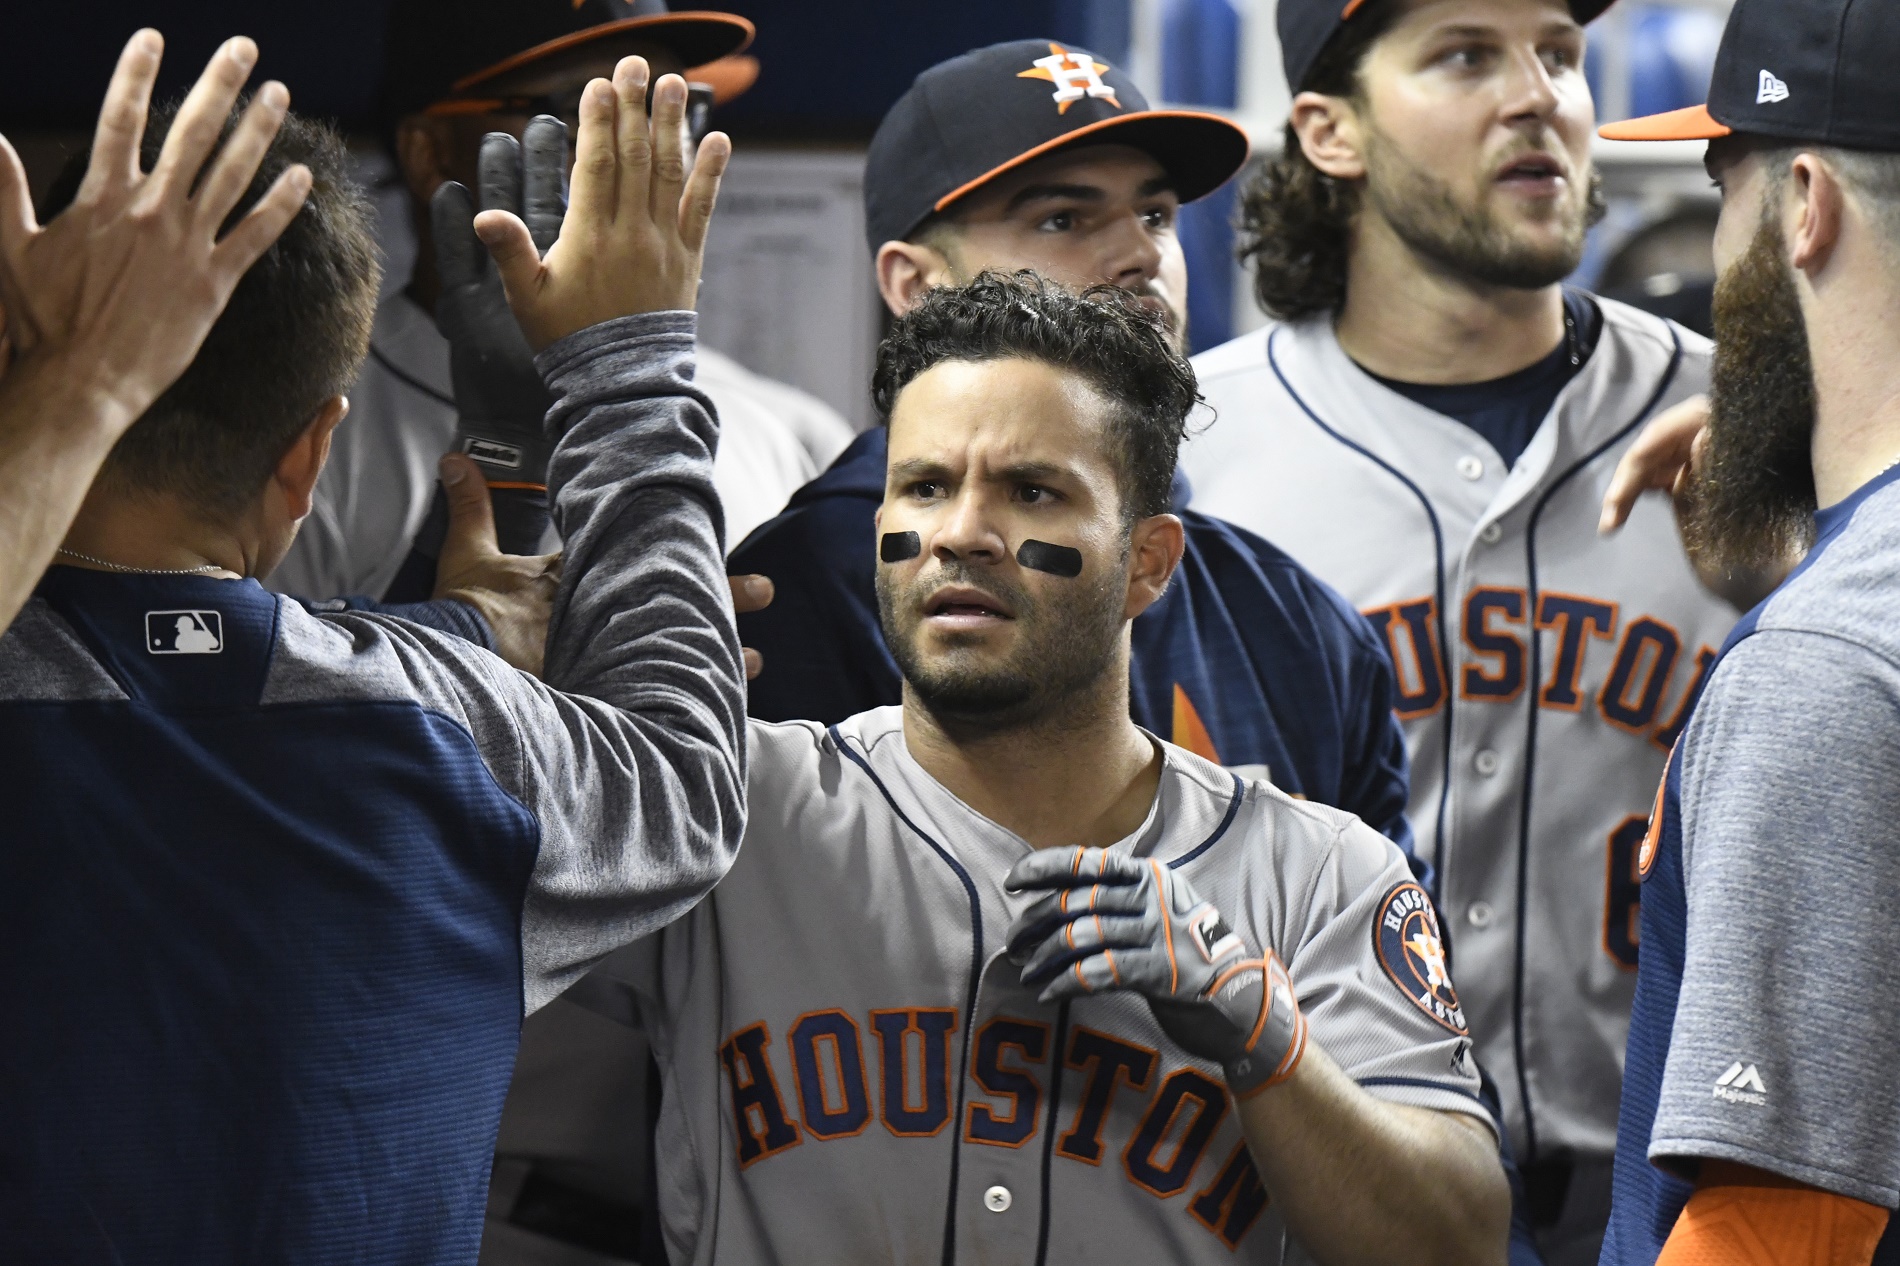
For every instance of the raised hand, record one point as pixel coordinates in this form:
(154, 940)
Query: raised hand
(122, 287)
(1110, 921)
(635, 230)
(500, 400)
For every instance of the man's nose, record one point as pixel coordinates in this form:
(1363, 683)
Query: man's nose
(968, 531)
(1133, 257)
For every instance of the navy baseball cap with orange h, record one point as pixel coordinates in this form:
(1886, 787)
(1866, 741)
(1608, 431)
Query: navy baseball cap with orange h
(967, 121)
(1821, 71)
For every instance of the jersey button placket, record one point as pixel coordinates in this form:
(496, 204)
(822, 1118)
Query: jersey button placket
(1471, 467)
(997, 1199)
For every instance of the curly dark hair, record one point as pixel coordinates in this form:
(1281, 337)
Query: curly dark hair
(293, 335)
(1101, 335)
(1294, 218)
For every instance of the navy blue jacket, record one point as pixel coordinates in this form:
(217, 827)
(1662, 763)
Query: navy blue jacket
(1248, 659)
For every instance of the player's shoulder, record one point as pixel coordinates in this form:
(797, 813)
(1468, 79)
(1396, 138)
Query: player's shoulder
(1845, 591)
(1237, 357)
(1648, 332)
(1222, 823)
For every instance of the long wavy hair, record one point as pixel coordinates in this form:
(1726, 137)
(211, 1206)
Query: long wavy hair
(1295, 220)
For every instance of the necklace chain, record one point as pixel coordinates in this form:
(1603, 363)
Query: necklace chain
(138, 571)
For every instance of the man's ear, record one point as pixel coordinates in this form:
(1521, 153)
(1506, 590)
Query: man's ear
(1154, 551)
(422, 151)
(1812, 224)
(297, 470)
(1328, 128)
(905, 271)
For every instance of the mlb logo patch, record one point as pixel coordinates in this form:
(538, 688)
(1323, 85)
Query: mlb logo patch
(184, 632)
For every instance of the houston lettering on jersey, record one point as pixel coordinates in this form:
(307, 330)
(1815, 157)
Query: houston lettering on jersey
(895, 1071)
(1585, 636)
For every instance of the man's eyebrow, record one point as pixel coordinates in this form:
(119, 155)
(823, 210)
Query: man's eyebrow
(1032, 472)
(1042, 193)
(1164, 183)
(912, 469)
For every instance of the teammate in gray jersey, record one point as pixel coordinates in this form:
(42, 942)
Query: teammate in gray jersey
(1430, 424)
(1000, 976)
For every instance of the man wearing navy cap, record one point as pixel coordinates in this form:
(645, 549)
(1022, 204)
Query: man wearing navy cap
(1037, 155)
(1758, 1120)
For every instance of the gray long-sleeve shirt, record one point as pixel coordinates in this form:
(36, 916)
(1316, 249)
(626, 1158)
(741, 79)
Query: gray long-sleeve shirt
(276, 886)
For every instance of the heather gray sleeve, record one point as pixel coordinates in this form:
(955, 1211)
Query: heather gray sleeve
(1782, 1055)
(637, 777)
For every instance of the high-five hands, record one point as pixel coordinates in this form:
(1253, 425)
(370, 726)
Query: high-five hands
(122, 287)
(1109, 921)
(635, 229)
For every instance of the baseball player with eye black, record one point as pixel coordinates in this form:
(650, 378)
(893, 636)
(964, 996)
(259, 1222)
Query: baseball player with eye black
(1430, 426)
(999, 975)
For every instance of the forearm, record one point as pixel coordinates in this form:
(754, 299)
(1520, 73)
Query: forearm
(1356, 1177)
(56, 429)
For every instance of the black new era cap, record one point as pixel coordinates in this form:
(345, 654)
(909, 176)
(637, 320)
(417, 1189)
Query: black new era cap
(1306, 26)
(1826, 71)
(966, 121)
(471, 49)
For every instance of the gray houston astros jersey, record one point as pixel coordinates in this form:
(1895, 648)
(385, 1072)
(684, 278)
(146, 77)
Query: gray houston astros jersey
(855, 1073)
(1543, 670)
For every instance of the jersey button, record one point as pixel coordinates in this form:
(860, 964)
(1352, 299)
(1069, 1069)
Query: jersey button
(997, 1199)
(1490, 534)
(1480, 914)
(1486, 762)
(1471, 467)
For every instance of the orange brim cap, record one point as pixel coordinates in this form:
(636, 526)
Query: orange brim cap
(1692, 124)
(728, 77)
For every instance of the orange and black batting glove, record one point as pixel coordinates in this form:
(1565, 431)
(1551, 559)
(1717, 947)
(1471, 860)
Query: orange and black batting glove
(1109, 921)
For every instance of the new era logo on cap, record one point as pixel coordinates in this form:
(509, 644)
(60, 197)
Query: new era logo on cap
(184, 632)
(1770, 89)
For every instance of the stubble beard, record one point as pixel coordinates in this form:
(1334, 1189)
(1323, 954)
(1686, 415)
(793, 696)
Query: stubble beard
(1472, 242)
(1063, 655)
(1750, 501)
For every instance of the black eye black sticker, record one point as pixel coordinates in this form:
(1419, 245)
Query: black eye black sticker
(1057, 560)
(897, 547)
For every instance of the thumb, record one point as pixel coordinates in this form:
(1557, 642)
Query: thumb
(511, 246)
(16, 203)
(471, 532)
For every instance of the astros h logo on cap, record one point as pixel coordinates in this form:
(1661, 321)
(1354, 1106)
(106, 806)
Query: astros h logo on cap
(966, 121)
(1075, 75)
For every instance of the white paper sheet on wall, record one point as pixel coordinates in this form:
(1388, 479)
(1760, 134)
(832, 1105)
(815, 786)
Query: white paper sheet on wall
(787, 289)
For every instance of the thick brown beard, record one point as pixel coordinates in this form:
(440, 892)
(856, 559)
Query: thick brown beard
(1750, 503)
(1427, 216)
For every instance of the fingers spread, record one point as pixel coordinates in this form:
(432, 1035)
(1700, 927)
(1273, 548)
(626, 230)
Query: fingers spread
(237, 162)
(702, 189)
(263, 224)
(543, 175)
(194, 133)
(460, 257)
(669, 162)
(498, 174)
(631, 132)
(595, 187)
(115, 142)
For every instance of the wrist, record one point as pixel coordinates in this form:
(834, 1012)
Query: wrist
(77, 391)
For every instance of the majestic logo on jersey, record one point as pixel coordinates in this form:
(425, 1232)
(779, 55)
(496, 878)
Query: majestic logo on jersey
(1741, 1084)
(1075, 75)
(184, 632)
(1405, 934)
